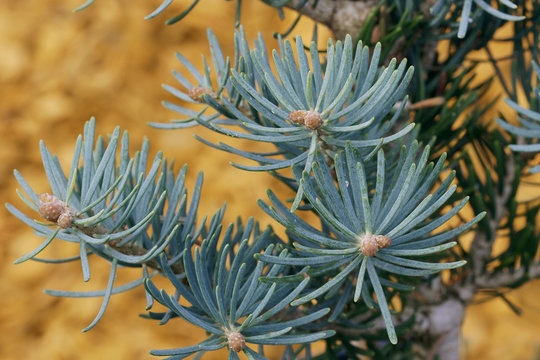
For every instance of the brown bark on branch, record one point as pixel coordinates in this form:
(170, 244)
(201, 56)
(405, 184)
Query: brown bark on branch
(341, 16)
(507, 278)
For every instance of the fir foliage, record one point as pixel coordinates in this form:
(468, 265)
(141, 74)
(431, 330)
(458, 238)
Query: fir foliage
(469, 13)
(129, 210)
(353, 100)
(231, 301)
(342, 123)
(529, 119)
(370, 200)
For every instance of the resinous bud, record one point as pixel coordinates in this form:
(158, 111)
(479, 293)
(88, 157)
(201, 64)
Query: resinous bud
(50, 207)
(297, 117)
(313, 120)
(309, 118)
(196, 93)
(236, 341)
(65, 219)
(55, 210)
(370, 244)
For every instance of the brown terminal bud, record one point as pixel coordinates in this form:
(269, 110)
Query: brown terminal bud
(297, 117)
(46, 197)
(50, 207)
(236, 341)
(313, 120)
(65, 219)
(370, 244)
(383, 241)
(196, 93)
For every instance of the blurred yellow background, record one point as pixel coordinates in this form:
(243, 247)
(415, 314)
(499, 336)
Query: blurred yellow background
(56, 70)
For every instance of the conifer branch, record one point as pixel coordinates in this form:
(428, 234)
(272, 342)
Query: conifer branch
(342, 16)
(508, 278)
(482, 245)
(341, 124)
